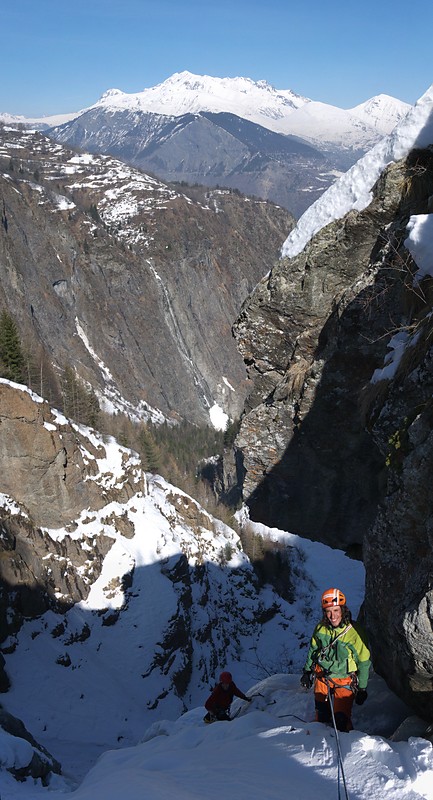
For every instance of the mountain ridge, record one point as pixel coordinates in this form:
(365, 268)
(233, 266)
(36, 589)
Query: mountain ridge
(214, 149)
(124, 125)
(258, 101)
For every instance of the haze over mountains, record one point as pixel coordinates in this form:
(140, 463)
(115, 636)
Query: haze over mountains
(233, 132)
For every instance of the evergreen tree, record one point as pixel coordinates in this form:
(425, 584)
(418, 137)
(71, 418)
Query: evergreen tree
(148, 450)
(12, 362)
(231, 432)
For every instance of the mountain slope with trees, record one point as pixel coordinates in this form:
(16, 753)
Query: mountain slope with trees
(214, 149)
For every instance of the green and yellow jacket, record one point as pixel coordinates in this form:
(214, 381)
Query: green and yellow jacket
(339, 651)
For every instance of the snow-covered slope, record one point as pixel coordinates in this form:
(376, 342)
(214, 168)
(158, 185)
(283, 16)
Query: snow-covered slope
(172, 599)
(169, 561)
(271, 745)
(353, 189)
(328, 126)
(175, 601)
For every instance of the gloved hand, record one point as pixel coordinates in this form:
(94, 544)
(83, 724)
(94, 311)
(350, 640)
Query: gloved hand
(249, 699)
(361, 697)
(306, 679)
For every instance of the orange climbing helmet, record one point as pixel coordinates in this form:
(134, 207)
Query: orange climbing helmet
(332, 598)
(225, 677)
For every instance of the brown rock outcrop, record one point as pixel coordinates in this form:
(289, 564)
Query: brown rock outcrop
(50, 470)
(42, 465)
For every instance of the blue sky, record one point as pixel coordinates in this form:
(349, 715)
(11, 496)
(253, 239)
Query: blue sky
(61, 56)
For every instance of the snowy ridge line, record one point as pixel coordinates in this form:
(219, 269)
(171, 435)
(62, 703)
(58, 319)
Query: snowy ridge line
(352, 191)
(280, 110)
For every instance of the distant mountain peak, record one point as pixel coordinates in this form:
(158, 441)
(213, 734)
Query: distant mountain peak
(382, 111)
(187, 93)
(111, 93)
(280, 110)
(196, 83)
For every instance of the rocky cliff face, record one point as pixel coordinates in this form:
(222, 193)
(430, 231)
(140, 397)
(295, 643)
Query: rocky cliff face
(326, 451)
(311, 336)
(52, 472)
(133, 283)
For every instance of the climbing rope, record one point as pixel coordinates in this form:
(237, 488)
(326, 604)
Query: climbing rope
(340, 767)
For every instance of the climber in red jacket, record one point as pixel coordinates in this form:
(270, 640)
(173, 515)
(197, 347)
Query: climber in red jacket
(218, 703)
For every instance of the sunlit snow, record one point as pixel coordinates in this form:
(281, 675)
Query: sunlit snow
(353, 189)
(218, 417)
(99, 702)
(420, 243)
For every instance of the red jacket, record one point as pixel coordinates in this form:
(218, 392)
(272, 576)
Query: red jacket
(222, 698)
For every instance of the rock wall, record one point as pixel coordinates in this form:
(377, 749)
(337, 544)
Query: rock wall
(48, 465)
(398, 548)
(311, 336)
(328, 453)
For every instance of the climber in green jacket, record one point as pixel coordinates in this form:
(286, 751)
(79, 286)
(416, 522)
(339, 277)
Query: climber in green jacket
(338, 662)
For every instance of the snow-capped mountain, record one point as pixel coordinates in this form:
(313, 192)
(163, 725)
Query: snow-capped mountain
(185, 93)
(38, 123)
(199, 129)
(279, 110)
(282, 111)
(338, 131)
(382, 111)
